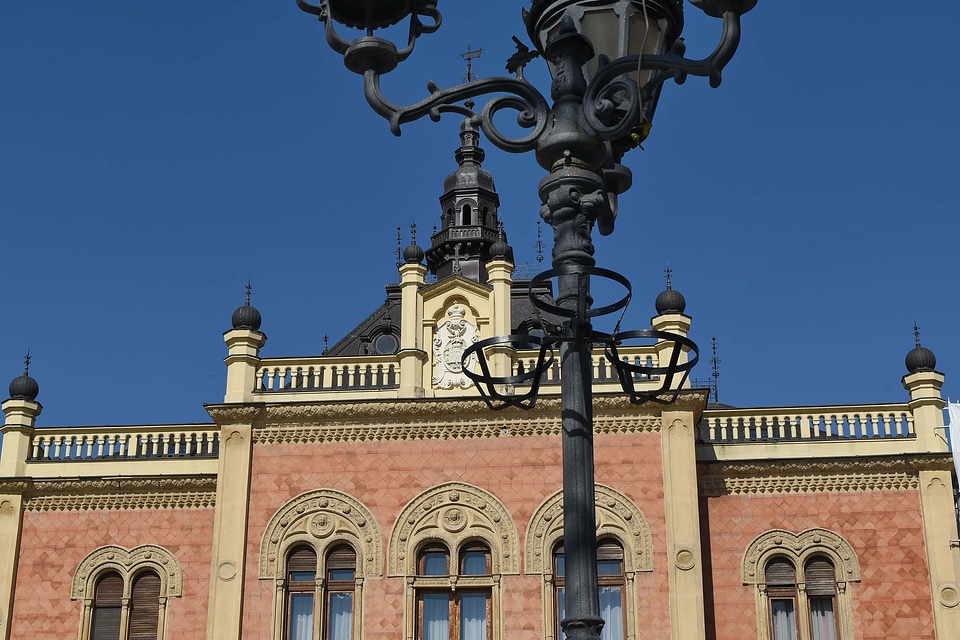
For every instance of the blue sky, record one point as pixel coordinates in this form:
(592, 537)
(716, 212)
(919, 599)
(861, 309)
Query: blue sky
(155, 157)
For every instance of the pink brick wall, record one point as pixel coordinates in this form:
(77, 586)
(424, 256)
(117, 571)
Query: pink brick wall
(885, 529)
(385, 476)
(53, 544)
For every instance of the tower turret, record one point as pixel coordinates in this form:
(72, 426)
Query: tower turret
(469, 219)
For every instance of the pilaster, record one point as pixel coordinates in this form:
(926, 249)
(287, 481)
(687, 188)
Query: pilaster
(940, 532)
(681, 501)
(412, 354)
(228, 560)
(501, 321)
(11, 517)
(927, 407)
(243, 347)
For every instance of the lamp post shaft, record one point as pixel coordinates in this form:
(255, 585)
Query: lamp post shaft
(572, 198)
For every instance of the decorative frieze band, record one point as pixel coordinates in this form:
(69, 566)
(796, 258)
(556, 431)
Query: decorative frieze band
(713, 486)
(877, 473)
(121, 493)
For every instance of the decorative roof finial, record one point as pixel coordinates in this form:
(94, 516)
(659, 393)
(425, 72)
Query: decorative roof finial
(470, 56)
(413, 233)
(24, 387)
(715, 363)
(920, 358)
(26, 363)
(538, 245)
(399, 251)
(669, 273)
(249, 289)
(247, 316)
(326, 343)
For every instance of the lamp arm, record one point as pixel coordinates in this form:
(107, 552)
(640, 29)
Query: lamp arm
(531, 106)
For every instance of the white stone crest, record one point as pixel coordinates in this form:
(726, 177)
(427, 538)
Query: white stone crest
(454, 336)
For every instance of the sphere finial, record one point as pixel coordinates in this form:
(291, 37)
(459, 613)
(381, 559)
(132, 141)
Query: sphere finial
(919, 358)
(24, 387)
(247, 316)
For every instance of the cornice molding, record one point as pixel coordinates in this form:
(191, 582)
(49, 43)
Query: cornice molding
(224, 414)
(121, 493)
(427, 419)
(900, 473)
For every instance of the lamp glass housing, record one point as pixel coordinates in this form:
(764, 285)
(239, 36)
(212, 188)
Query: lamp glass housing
(617, 28)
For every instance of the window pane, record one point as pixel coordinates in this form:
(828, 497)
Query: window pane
(783, 620)
(340, 617)
(611, 610)
(301, 616)
(341, 574)
(474, 563)
(106, 623)
(436, 616)
(561, 610)
(473, 616)
(608, 567)
(435, 563)
(560, 565)
(822, 623)
(145, 608)
(302, 576)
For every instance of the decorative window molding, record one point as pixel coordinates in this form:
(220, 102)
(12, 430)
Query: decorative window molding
(321, 520)
(458, 519)
(799, 550)
(128, 564)
(454, 513)
(618, 519)
(798, 547)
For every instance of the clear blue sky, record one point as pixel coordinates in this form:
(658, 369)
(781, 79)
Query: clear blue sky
(153, 157)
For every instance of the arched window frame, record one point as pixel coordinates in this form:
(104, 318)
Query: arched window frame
(799, 549)
(619, 520)
(129, 564)
(454, 516)
(322, 520)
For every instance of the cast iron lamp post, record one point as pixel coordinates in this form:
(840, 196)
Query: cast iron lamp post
(608, 60)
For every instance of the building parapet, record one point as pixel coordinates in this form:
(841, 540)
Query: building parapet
(88, 444)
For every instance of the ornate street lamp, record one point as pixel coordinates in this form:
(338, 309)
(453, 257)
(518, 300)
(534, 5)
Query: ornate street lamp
(608, 60)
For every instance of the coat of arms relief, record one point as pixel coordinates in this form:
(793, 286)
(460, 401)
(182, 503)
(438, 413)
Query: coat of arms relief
(454, 336)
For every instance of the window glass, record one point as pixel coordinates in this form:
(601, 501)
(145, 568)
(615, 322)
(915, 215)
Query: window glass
(473, 616)
(435, 563)
(783, 619)
(475, 562)
(301, 616)
(436, 616)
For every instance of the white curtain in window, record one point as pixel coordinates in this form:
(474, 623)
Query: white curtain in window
(822, 623)
(436, 616)
(341, 616)
(301, 616)
(473, 616)
(611, 610)
(783, 620)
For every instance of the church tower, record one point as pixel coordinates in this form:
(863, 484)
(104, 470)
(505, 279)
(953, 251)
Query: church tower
(469, 219)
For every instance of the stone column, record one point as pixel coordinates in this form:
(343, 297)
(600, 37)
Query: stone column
(674, 323)
(927, 406)
(499, 274)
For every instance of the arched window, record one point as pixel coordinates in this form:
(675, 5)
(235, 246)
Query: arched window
(125, 592)
(318, 549)
(107, 607)
(467, 217)
(328, 603)
(611, 581)
(452, 544)
(624, 555)
(802, 584)
(453, 599)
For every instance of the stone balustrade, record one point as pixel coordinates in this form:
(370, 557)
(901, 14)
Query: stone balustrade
(792, 424)
(363, 373)
(124, 443)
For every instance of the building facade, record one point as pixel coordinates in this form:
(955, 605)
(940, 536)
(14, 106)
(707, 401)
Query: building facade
(370, 494)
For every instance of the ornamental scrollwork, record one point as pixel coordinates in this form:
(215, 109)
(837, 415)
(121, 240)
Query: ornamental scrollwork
(127, 563)
(798, 547)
